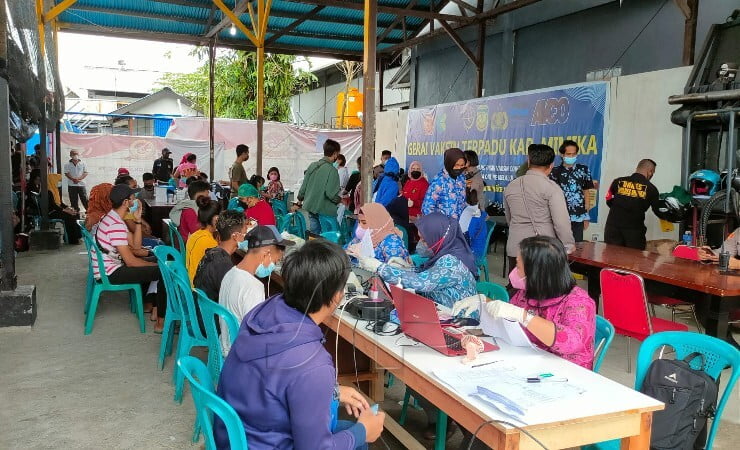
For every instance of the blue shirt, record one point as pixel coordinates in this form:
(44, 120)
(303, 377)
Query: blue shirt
(445, 195)
(446, 282)
(573, 181)
(477, 235)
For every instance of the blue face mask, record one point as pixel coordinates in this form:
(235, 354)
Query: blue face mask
(423, 250)
(264, 272)
(570, 159)
(243, 245)
(134, 207)
(335, 164)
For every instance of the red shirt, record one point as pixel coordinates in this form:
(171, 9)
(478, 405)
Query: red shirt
(262, 213)
(188, 223)
(415, 190)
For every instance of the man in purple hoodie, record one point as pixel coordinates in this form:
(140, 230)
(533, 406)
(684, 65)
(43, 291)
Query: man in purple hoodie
(279, 378)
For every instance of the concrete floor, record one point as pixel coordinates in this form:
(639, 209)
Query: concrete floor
(61, 389)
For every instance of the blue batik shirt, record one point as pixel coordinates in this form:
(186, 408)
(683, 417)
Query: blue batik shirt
(445, 195)
(391, 246)
(573, 181)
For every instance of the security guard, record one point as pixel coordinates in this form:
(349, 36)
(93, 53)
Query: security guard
(628, 198)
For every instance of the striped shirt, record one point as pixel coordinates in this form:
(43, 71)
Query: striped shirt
(110, 233)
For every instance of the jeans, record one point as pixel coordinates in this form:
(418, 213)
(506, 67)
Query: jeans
(77, 194)
(151, 242)
(577, 228)
(346, 424)
(314, 224)
(143, 276)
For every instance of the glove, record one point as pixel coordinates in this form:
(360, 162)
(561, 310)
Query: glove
(369, 264)
(503, 310)
(410, 203)
(399, 263)
(466, 306)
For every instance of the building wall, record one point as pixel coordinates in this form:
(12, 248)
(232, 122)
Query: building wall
(167, 106)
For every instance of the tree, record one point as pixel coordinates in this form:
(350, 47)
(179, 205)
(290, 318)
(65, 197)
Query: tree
(235, 85)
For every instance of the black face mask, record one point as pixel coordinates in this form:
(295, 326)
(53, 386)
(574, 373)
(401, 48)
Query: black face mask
(243, 205)
(415, 174)
(454, 173)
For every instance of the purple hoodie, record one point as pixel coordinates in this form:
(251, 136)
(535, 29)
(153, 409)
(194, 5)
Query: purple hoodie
(280, 380)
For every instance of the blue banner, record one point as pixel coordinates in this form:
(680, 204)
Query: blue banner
(501, 128)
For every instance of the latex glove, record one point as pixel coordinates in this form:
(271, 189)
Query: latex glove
(504, 310)
(400, 263)
(466, 306)
(369, 264)
(410, 203)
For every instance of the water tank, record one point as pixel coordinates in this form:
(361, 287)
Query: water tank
(353, 107)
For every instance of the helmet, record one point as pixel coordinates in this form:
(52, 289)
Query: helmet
(671, 210)
(704, 182)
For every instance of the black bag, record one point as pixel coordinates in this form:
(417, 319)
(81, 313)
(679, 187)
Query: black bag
(690, 398)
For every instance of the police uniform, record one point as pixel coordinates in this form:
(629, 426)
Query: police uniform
(628, 198)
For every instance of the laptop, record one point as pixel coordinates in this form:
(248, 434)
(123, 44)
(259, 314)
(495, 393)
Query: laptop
(420, 321)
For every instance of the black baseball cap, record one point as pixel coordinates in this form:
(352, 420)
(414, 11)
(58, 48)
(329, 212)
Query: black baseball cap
(166, 150)
(121, 192)
(264, 235)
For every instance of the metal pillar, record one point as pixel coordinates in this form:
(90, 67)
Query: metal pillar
(260, 101)
(211, 107)
(381, 87)
(368, 107)
(7, 249)
(481, 54)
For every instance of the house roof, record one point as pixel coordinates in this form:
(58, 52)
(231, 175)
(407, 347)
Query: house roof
(151, 98)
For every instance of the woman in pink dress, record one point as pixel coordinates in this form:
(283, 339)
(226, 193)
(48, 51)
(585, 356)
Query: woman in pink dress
(187, 168)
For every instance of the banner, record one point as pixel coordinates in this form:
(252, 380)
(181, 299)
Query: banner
(501, 128)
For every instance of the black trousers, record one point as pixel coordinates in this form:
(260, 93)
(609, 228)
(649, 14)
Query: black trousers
(70, 225)
(143, 276)
(625, 237)
(577, 228)
(77, 194)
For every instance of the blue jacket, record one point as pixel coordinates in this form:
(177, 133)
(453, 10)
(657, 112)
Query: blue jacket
(387, 184)
(477, 235)
(281, 381)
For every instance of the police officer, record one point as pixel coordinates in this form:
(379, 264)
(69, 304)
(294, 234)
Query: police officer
(628, 198)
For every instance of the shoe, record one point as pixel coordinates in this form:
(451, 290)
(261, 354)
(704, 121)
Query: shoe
(430, 433)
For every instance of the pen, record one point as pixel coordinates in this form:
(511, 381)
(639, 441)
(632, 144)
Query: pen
(484, 364)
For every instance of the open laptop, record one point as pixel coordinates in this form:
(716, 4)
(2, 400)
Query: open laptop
(420, 321)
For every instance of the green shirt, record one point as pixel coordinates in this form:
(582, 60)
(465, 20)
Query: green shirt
(320, 188)
(237, 174)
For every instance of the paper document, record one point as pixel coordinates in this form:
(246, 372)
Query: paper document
(504, 329)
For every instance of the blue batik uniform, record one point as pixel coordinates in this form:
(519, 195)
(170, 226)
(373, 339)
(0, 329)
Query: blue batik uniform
(445, 195)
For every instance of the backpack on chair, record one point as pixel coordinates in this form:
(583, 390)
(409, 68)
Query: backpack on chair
(690, 398)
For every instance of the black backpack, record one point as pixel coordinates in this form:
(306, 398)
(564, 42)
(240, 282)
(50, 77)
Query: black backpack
(690, 398)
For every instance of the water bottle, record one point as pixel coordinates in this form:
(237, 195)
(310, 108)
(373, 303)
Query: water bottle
(686, 239)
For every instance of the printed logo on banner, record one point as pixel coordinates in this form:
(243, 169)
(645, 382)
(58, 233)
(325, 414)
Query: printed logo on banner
(501, 128)
(143, 149)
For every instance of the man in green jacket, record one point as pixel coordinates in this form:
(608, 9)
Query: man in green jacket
(319, 192)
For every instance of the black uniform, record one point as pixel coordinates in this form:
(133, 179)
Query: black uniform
(628, 199)
(162, 169)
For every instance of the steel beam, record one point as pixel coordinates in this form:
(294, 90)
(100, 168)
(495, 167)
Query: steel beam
(309, 15)
(459, 42)
(238, 9)
(425, 14)
(58, 9)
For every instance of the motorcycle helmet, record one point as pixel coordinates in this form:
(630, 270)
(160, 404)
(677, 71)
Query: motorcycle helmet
(671, 210)
(704, 182)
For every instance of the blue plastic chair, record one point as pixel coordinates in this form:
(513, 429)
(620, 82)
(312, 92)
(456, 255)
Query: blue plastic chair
(90, 278)
(482, 262)
(104, 285)
(207, 403)
(169, 261)
(279, 207)
(211, 312)
(492, 290)
(175, 237)
(602, 340)
(295, 224)
(404, 235)
(333, 236)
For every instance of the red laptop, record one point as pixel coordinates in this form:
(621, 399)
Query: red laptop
(420, 321)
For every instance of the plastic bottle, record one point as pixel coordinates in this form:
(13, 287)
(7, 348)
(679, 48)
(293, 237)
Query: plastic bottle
(687, 238)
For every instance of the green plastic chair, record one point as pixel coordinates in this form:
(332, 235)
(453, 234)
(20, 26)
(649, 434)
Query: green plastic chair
(90, 278)
(492, 290)
(333, 236)
(602, 340)
(207, 404)
(175, 237)
(169, 260)
(104, 285)
(279, 207)
(482, 262)
(295, 224)
(328, 223)
(404, 235)
(211, 312)
(441, 440)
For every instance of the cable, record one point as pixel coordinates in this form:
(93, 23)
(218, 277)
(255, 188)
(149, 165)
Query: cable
(636, 37)
(503, 422)
(455, 81)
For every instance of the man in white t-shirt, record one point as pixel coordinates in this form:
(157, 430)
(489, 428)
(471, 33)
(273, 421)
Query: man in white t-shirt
(76, 171)
(241, 290)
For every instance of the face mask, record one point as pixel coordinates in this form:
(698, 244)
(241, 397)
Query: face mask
(517, 282)
(423, 250)
(242, 205)
(133, 208)
(264, 272)
(149, 187)
(570, 159)
(273, 177)
(415, 174)
(75, 158)
(454, 173)
(360, 232)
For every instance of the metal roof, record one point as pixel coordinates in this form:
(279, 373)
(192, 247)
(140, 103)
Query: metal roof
(332, 28)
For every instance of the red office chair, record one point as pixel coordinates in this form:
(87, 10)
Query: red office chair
(626, 307)
(678, 307)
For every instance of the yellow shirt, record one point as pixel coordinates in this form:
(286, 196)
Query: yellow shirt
(54, 180)
(195, 249)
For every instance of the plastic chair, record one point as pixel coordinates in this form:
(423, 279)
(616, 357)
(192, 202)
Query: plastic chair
(295, 224)
(333, 236)
(328, 223)
(626, 307)
(602, 340)
(279, 207)
(482, 262)
(169, 261)
(678, 307)
(207, 403)
(211, 312)
(104, 285)
(404, 235)
(492, 290)
(90, 278)
(441, 440)
(175, 237)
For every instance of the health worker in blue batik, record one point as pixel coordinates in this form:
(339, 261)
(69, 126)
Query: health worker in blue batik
(376, 234)
(574, 179)
(446, 193)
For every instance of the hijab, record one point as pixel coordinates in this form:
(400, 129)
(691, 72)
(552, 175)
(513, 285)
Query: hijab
(379, 222)
(185, 158)
(451, 157)
(418, 166)
(444, 237)
(98, 205)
